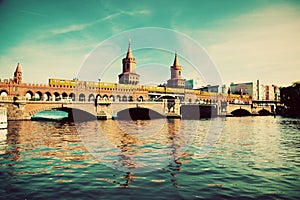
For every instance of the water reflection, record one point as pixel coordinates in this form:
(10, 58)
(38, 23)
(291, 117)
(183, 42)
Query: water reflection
(27, 139)
(135, 150)
(3, 143)
(259, 151)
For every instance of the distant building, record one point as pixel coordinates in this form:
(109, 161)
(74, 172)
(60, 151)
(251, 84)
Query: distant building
(176, 80)
(248, 88)
(214, 88)
(192, 84)
(256, 90)
(276, 92)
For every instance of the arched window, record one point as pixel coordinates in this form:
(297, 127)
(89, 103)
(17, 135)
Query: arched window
(81, 97)
(3, 93)
(91, 97)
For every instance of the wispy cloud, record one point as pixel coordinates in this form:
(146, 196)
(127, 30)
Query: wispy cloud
(263, 44)
(78, 27)
(63, 59)
(32, 13)
(82, 26)
(138, 12)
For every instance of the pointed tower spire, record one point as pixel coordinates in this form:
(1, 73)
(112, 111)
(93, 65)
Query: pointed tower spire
(18, 74)
(18, 69)
(175, 60)
(176, 79)
(129, 75)
(129, 54)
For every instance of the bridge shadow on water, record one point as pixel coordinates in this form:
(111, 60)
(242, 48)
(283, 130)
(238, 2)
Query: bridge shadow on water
(64, 114)
(240, 113)
(138, 114)
(194, 112)
(264, 113)
(188, 112)
(243, 112)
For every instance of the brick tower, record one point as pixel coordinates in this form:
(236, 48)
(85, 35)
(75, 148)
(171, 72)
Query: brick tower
(18, 75)
(176, 79)
(129, 76)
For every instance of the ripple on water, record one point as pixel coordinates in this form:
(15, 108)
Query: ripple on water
(255, 157)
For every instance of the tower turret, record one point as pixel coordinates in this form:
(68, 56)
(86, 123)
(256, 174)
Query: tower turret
(129, 76)
(18, 75)
(176, 79)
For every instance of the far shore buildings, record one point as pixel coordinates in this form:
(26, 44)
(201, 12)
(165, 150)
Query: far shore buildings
(256, 90)
(214, 88)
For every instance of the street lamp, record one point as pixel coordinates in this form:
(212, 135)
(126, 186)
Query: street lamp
(99, 80)
(98, 96)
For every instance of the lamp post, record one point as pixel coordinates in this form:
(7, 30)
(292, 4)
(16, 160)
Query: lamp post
(98, 96)
(99, 80)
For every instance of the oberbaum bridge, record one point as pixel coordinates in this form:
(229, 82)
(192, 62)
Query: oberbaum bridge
(84, 100)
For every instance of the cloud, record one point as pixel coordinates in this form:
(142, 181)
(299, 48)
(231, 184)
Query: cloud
(138, 12)
(262, 44)
(33, 13)
(41, 61)
(82, 26)
(78, 27)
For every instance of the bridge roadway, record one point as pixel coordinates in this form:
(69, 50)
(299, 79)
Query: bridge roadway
(22, 109)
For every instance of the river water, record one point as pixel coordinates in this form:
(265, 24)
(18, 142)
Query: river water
(223, 158)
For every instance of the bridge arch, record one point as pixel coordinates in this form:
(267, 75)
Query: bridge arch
(77, 114)
(130, 98)
(119, 98)
(112, 98)
(29, 94)
(72, 96)
(56, 96)
(138, 113)
(47, 96)
(264, 112)
(64, 95)
(140, 98)
(38, 95)
(3, 93)
(105, 97)
(91, 97)
(240, 112)
(167, 96)
(81, 97)
(98, 97)
(74, 114)
(38, 109)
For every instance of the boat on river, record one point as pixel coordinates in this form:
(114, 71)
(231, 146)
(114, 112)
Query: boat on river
(3, 118)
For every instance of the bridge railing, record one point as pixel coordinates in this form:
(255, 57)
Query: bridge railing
(12, 98)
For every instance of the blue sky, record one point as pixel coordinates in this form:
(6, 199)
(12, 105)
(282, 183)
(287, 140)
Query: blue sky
(247, 40)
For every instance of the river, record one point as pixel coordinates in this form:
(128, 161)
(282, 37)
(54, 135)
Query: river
(222, 158)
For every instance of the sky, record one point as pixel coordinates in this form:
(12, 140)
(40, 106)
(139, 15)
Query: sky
(246, 40)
